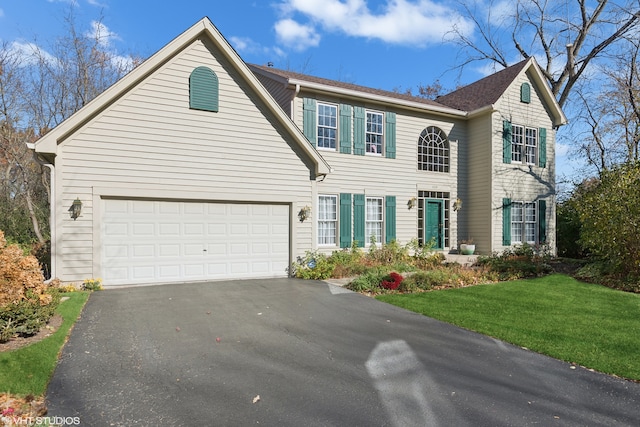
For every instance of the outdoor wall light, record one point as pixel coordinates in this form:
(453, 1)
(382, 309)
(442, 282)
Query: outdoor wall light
(411, 203)
(75, 209)
(304, 213)
(457, 205)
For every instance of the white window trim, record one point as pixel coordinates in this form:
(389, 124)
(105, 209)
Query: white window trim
(524, 145)
(425, 144)
(334, 221)
(337, 139)
(367, 221)
(380, 113)
(524, 222)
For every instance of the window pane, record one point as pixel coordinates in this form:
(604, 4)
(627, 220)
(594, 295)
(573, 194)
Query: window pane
(530, 218)
(516, 222)
(531, 142)
(433, 150)
(517, 143)
(327, 125)
(327, 219)
(373, 224)
(374, 133)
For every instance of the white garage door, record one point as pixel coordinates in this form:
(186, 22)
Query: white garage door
(160, 242)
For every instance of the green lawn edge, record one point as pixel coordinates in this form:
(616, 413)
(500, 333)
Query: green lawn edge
(27, 371)
(586, 324)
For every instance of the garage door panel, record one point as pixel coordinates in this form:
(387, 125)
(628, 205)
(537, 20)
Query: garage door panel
(161, 241)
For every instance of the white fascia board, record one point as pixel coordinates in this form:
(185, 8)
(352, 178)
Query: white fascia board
(378, 98)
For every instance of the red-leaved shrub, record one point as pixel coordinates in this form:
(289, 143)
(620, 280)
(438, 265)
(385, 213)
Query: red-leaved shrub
(392, 281)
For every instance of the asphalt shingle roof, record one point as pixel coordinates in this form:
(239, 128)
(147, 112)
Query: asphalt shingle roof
(343, 85)
(484, 92)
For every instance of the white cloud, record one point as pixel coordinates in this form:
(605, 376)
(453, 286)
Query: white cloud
(72, 2)
(31, 53)
(1, 13)
(101, 33)
(295, 35)
(248, 46)
(409, 22)
(562, 149)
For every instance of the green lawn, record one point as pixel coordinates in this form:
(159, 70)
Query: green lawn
(587, 324)
(27, 371)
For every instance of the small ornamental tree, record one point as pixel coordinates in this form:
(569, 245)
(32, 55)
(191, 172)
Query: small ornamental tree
(26, 302)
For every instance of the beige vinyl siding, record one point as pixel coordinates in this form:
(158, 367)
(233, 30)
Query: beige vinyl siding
(522, 182)
(149, 144)
(476, 176)
(280, 93)
(378, 176)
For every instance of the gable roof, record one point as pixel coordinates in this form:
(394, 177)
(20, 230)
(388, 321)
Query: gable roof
(319, 84)
(483, 92)
(47, 145)
(486, 92)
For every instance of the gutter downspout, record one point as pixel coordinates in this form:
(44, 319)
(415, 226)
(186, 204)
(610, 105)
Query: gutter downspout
(52, 208)
(293, 103)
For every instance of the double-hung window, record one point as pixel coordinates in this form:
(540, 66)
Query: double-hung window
(517, 143)
(531, 145)
(524, 222)
(373, 219)
(374, 132)
(327, 220)
(524, 144)
(327, 126)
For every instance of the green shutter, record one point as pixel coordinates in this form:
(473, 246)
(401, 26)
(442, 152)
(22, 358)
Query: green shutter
(542, 147)
(309, 120)
(358, 219)
(345, 220)
(542, 221)
(203, 89)
(506, 222)
(525, 93)
(390, 136)
(390, 218)
(506, 141)
(358, 130)
(345, 128)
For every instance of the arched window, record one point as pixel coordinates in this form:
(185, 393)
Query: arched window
(433, 150)
(203, 89)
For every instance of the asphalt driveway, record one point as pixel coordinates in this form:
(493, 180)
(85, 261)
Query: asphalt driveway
(287, 352)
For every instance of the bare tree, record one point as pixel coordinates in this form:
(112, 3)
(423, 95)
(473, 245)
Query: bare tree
(566, 36)
(612, 113)
(23, 206)
(41, 86)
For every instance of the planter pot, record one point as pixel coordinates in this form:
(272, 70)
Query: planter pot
(466, 249)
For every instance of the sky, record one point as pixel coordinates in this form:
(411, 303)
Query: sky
(383, 44)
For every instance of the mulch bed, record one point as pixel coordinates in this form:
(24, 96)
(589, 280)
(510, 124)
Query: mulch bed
(19, 342)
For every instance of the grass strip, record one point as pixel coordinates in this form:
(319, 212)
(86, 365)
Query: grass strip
(590, 325)
(27, 371)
